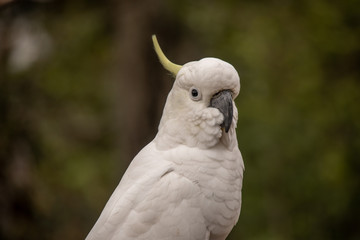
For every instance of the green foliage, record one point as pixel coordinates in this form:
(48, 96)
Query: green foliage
(299, 119)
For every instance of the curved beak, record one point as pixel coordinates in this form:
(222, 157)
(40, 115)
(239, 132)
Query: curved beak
(224, 102)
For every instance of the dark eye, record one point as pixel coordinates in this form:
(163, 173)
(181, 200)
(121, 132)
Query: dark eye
(195, 94)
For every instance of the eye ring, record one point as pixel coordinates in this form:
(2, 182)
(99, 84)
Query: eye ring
(195, 94)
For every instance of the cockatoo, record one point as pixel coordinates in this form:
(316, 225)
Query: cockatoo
(186, 183)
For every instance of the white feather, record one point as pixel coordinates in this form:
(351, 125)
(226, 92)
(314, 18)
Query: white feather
(186, 183)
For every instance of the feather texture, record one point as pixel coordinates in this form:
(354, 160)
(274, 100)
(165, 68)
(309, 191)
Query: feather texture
(186, 183)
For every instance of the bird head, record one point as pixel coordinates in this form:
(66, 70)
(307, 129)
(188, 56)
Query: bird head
(200, 107)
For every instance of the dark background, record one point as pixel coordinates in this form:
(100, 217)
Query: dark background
(82, 91)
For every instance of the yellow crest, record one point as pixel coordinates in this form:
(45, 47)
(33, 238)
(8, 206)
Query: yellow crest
(171, 67)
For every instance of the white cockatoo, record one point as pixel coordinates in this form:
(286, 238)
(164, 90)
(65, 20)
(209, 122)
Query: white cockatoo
(186, 183)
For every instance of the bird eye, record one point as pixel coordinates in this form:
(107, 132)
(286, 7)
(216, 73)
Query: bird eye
(195, 94)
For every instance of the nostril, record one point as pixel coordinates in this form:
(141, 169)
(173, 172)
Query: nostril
(217, 94)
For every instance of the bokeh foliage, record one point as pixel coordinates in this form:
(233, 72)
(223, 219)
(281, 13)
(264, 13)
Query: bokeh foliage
(62, 117)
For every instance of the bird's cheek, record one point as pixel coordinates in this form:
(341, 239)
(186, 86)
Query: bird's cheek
(207, 126)
(215, 117)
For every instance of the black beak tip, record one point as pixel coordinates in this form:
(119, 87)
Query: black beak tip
(226, 128)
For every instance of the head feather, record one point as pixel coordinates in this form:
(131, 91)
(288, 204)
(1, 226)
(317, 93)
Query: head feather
(171, 67)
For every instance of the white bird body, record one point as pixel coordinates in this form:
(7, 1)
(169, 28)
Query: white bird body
(186, 183)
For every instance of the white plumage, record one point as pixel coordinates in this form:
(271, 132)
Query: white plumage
(186, 183)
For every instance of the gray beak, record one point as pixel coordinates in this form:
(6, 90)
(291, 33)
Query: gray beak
(223, 101)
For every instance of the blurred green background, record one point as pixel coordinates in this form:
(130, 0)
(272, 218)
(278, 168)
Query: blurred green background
(82, 91)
